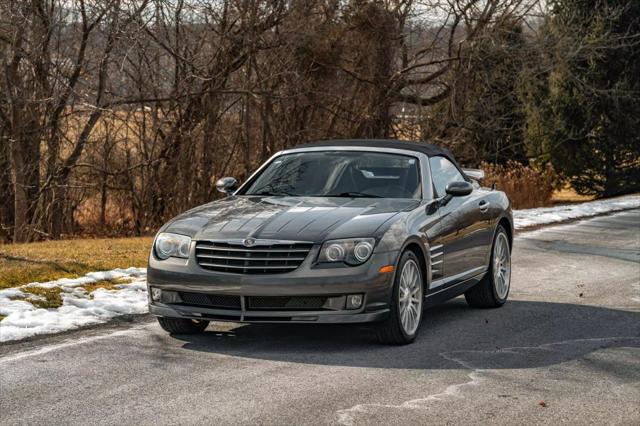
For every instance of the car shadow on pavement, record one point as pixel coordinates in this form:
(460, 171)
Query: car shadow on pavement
(521, 334)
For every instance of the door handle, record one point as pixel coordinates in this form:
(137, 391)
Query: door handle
(484, 206)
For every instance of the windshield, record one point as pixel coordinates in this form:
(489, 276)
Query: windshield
(340, 174)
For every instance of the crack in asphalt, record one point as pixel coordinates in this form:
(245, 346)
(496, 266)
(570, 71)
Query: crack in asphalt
(348, 417)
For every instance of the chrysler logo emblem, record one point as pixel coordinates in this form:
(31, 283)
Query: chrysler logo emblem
(249, 242)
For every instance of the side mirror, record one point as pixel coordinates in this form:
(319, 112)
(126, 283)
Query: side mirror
(459, 189)
(227, 185)
(453, 189)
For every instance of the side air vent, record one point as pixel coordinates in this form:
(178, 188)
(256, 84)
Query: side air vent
(437, 254)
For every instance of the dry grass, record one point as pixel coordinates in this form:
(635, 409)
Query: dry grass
(52, 298)
(567, 195)
(16, 273)
(49, 260)
(106, 284)
(526, 187)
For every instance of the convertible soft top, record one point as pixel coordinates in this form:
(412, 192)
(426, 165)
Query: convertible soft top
(423, 147)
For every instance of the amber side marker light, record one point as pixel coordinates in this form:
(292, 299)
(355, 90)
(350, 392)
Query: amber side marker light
(385, 269)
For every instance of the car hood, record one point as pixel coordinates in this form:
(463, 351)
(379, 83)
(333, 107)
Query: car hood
(313, 219)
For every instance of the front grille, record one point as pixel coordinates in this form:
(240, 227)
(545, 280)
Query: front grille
(210, 300)
(258, 259)
(294, 303)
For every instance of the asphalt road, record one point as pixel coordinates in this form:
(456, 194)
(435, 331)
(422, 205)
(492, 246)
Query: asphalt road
(565, 348)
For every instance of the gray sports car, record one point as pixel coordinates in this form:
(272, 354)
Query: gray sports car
(351, 231)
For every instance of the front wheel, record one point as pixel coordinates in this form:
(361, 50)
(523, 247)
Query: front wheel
(182, 326)
(406, 303)
(493, 289)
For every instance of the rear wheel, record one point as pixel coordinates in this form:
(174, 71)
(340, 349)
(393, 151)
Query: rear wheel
(182, 326)
(406, 303)
(492, 291)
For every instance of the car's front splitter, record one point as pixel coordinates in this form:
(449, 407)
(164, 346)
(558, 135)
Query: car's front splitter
(248, 316)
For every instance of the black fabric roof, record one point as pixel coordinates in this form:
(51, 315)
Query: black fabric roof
(422, 147)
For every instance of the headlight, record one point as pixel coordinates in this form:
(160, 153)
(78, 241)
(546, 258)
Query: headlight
(352, 251)
(172, 245)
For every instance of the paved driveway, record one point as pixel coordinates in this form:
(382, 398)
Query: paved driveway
(565, 348)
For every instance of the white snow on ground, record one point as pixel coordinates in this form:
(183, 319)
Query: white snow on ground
(92, 277)
(80, 309)
(547, 215)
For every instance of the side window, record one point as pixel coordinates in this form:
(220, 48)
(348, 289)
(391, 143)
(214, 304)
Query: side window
(443, 172)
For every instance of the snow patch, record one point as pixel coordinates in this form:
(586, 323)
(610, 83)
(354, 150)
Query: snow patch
(92, 277)
(546, 215)
(78, 309)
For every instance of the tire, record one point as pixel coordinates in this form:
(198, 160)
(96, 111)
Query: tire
(182, 326)
(491, 292)
(393, 331)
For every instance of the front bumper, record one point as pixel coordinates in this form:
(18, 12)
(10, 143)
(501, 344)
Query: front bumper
(307, 280)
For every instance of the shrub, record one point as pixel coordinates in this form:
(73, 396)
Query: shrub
(526, 186)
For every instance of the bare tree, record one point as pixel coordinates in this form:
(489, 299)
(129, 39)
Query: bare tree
(137, 107)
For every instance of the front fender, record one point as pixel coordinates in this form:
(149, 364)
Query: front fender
(398, 238)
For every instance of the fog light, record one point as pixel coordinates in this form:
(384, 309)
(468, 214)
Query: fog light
(169, 296)
(156, 294)
(354, 301)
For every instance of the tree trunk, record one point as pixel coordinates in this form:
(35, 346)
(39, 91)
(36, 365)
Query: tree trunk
(57, 212)
(246, 131)
(6, 192)
(25, 160)
(267, 140)
(103, 202)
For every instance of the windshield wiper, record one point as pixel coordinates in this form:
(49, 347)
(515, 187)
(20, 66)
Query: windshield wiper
(354, 195)
(274, 194)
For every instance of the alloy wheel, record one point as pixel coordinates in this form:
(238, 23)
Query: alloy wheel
(410, 297)
(501, 266)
